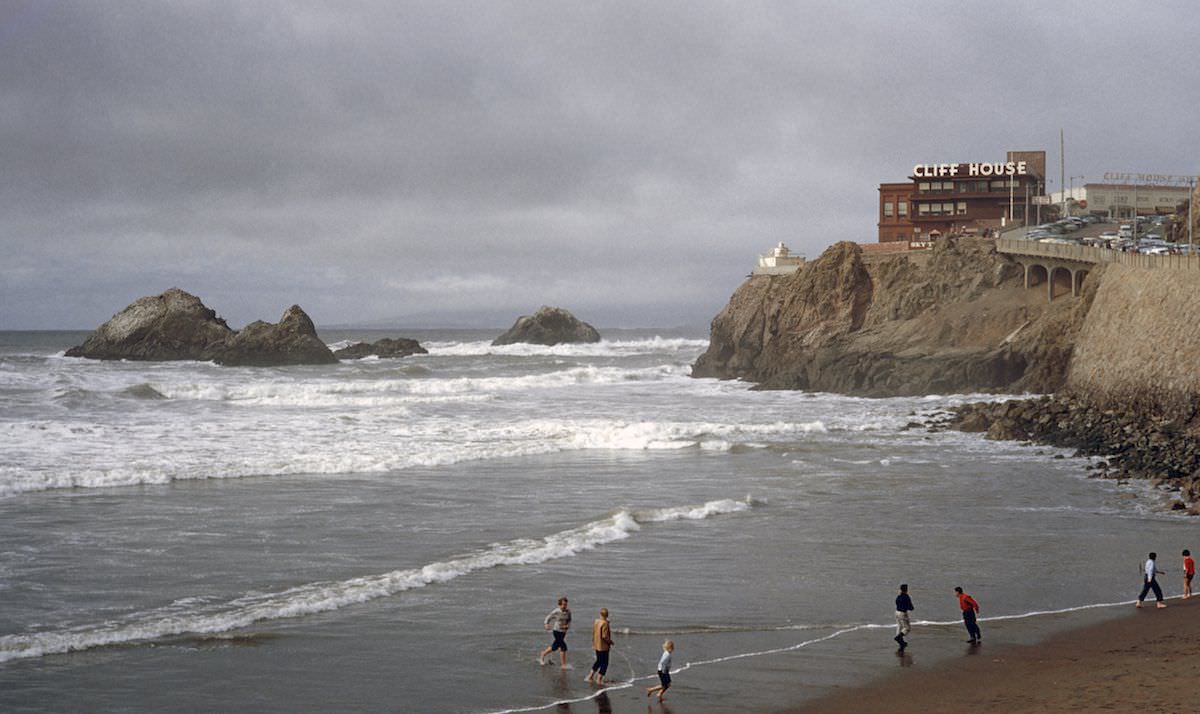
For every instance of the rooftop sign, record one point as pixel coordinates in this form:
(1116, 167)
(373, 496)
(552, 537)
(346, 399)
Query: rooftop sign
(1003, 168)
(1158, 179)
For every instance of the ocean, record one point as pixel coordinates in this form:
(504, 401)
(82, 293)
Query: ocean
(388, 535)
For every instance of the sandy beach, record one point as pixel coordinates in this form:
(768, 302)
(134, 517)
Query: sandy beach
(1140, 662)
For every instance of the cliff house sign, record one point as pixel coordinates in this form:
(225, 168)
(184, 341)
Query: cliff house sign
(1002, 168)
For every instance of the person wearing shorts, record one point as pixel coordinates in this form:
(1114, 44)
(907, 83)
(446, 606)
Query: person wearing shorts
(664, 671)
(558, 622)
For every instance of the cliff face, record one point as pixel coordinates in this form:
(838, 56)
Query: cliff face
(962, 321)
(1140, 343)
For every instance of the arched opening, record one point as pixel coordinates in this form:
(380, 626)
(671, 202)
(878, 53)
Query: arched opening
(1080, 276)
(1060, 282)
(1035, 275)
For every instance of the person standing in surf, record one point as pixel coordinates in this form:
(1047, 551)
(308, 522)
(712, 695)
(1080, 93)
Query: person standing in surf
(904, 605)
(1189, 572)
(970, 609)
(1150, 582)
(664, 671)
(558, 622)
(601, 643)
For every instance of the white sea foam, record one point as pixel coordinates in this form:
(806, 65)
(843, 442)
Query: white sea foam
(604, 348)
(44, 454)
(190, 615)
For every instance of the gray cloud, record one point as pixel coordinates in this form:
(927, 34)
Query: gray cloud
(626, 160)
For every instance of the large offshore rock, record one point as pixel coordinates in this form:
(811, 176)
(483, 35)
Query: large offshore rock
(548, 326)
(388, 347)
(172, 326)
(177, 326)
(292, 340)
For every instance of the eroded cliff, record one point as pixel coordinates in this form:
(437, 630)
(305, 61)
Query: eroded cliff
(956, 319)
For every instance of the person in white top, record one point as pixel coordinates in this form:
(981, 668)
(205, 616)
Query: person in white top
(664, 671)
(1150, 583)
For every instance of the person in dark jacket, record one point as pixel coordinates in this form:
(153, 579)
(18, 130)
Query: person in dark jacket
(904, 605)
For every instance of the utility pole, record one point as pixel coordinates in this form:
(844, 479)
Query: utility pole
(1191, 202)
(1062, 171)
(1025, 217)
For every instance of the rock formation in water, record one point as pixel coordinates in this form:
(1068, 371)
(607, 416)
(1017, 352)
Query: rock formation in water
(387, 347)
(292, 340)
(171, 326)
(956, 319)
(177, 326)
(548, 326)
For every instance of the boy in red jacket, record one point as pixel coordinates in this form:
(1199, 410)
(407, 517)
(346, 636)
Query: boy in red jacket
(969, 609)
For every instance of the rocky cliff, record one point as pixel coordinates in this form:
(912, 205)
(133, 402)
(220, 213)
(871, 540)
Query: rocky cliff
(958, 320)
(1139, 346)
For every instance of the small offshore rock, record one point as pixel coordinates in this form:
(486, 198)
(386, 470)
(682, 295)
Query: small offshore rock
(548, 326)
(388, 347)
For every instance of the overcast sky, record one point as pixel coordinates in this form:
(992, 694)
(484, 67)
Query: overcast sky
(465, 162)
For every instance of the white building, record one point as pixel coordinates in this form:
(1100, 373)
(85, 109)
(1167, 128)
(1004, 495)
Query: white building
(780, 261)
(1117, 200)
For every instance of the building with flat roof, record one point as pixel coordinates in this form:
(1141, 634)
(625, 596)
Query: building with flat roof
(780, 261)
(970, 197)
(1123, 200)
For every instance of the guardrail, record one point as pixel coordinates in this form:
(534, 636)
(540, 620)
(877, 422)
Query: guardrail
(1090, 254)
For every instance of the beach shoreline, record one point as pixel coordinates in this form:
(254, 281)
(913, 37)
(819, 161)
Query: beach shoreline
(1137, 662)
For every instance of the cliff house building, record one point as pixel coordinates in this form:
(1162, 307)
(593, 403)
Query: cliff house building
(970, 197)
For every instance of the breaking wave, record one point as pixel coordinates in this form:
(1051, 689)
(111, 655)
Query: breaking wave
(190, 616)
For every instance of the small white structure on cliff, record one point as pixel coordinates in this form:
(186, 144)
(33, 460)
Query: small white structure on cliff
(780, 261)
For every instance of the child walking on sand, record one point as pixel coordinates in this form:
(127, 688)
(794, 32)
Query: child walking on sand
(664, 671)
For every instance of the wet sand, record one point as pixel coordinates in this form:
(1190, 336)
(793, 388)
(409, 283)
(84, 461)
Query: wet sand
(1146, 661)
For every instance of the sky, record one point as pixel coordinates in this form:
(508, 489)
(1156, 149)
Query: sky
(390, 164)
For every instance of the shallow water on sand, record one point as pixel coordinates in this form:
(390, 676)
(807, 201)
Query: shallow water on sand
(388, 535)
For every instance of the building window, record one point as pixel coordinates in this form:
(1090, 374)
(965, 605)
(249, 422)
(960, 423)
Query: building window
(902, 207)
(923, 187)
(887, 209)
(923, 209)
(962, 208)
